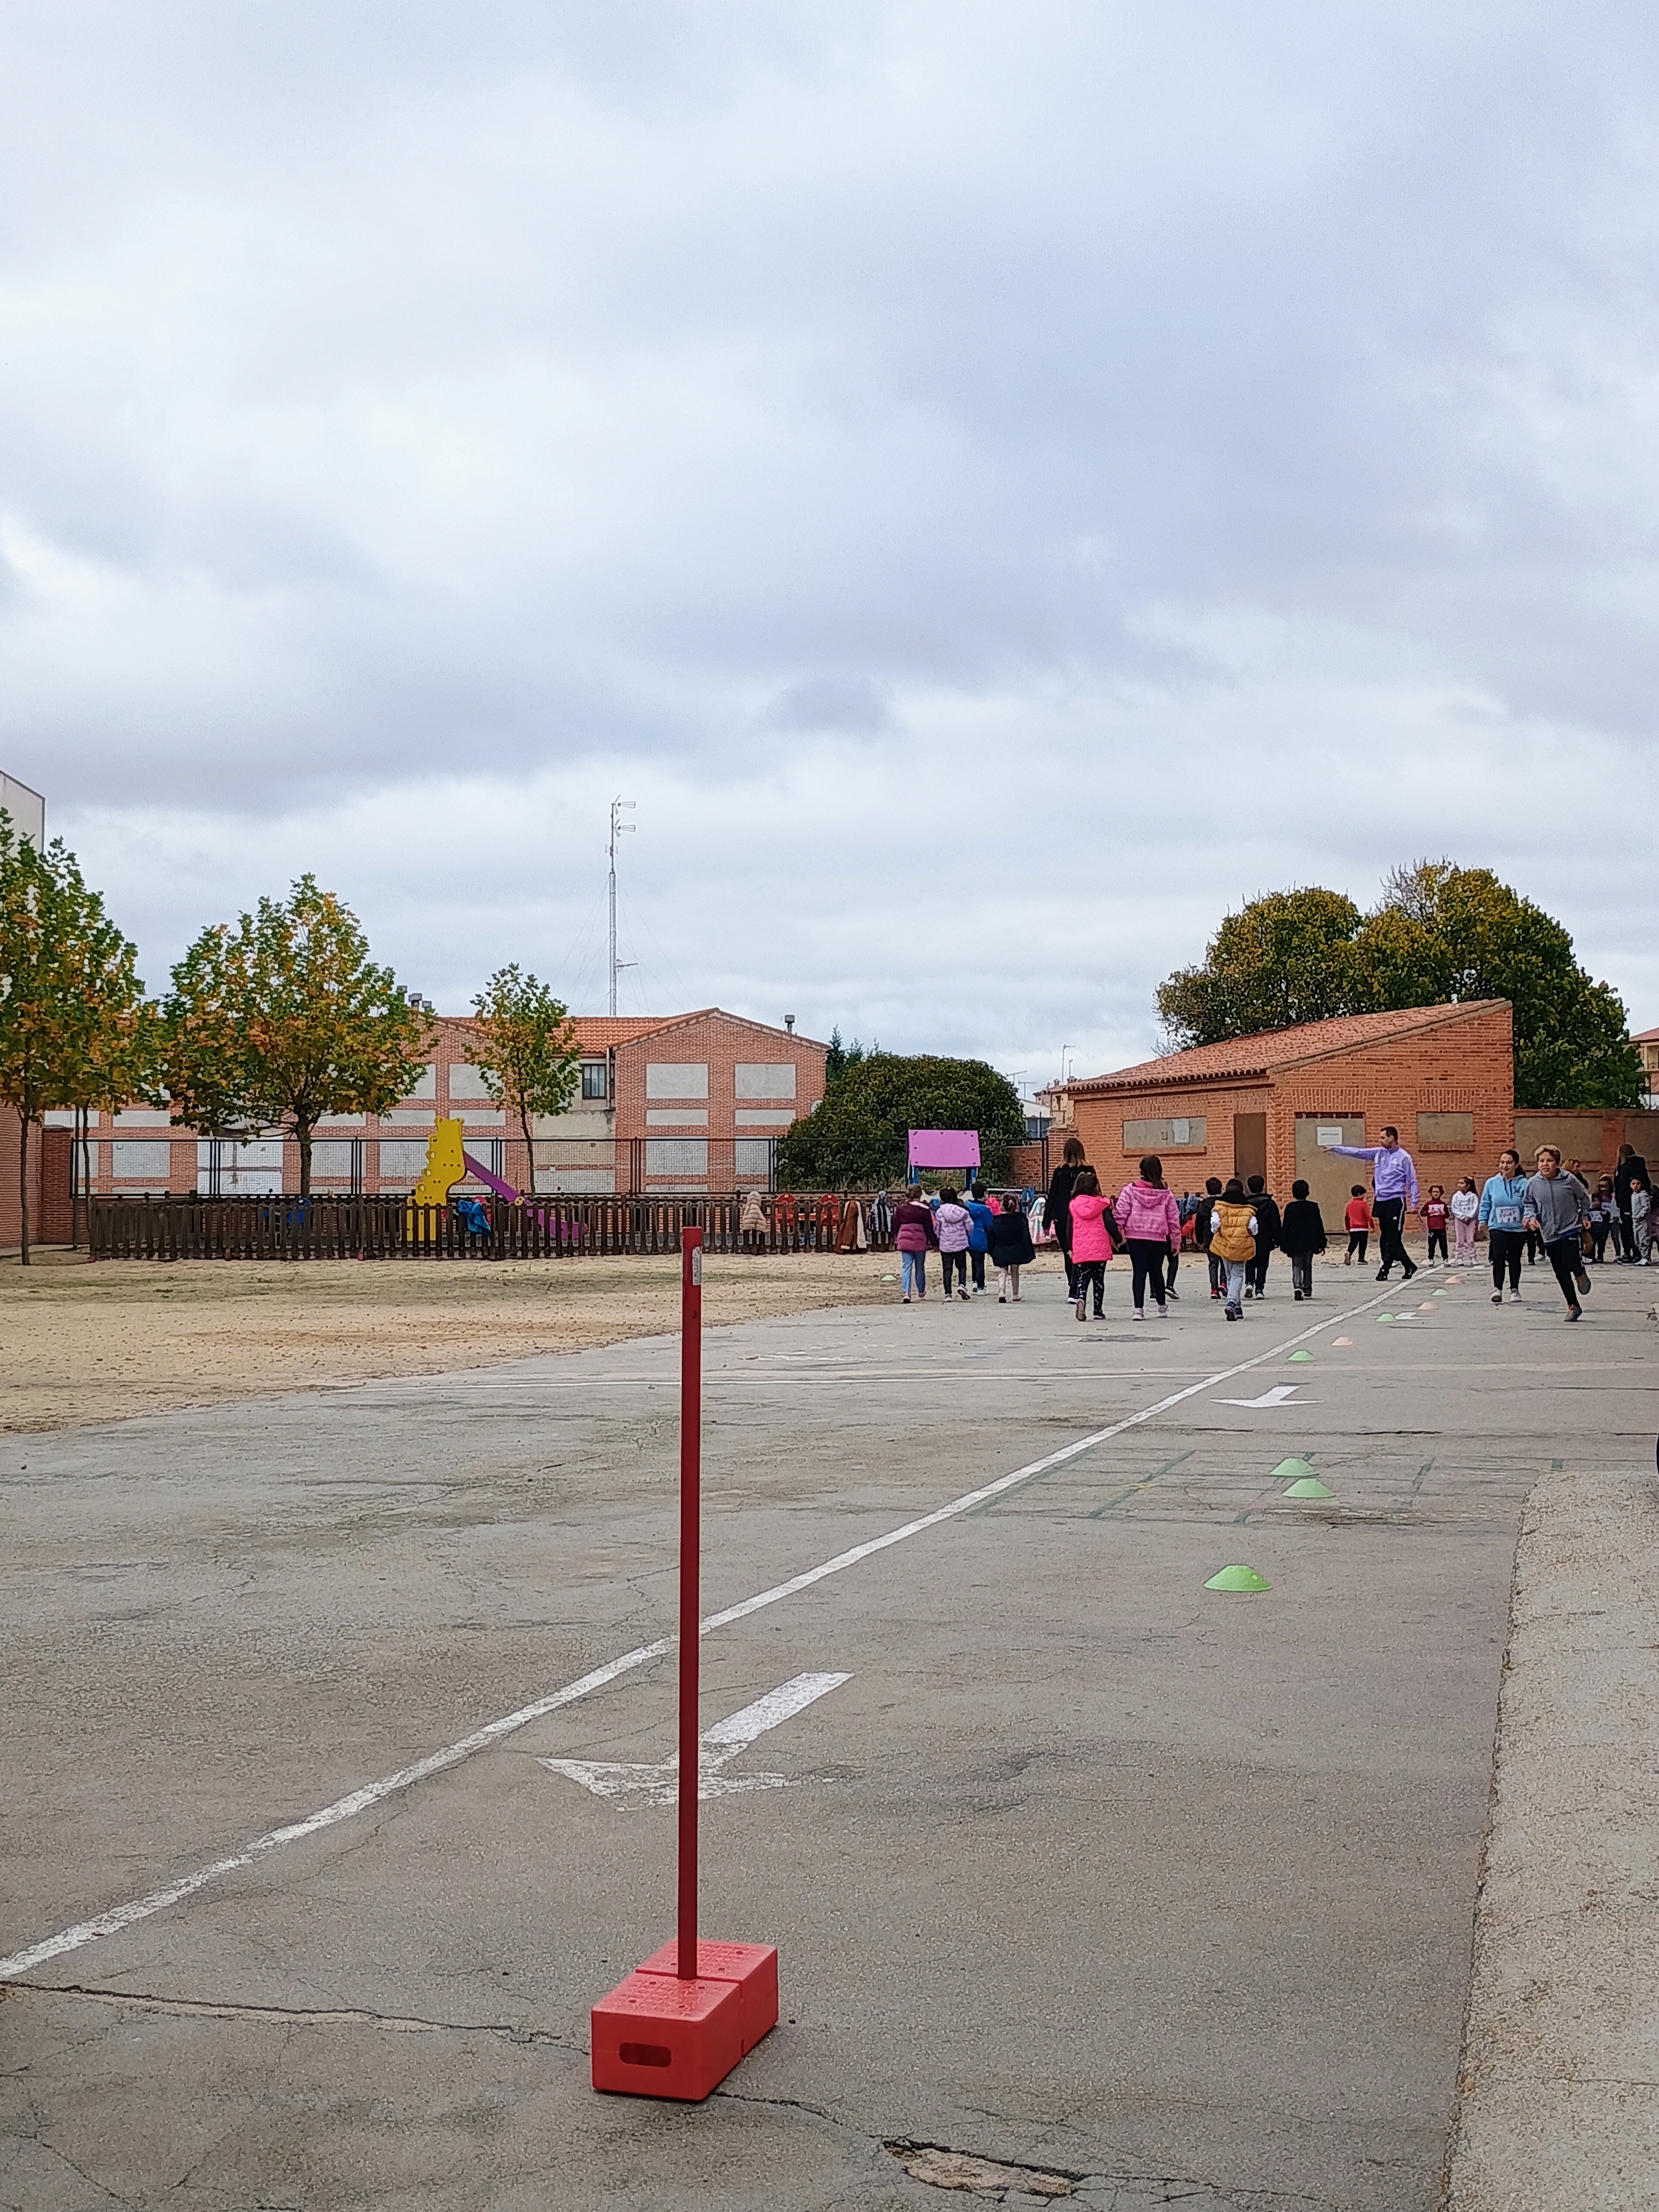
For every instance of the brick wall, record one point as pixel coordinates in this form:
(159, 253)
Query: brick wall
(1460, 1066)
(1025, 1166)
(709, 1111)
(1099, 1120)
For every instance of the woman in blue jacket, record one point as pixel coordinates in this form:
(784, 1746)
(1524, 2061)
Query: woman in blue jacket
(1503, 1211)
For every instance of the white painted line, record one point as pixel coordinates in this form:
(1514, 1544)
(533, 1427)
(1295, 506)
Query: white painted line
(1280, 1394)
(372, 1793)
(658, 1784)
(778, 1705)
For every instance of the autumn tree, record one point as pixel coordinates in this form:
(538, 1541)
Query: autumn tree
(285, 1018)
(526, 1049)
(74, 1027)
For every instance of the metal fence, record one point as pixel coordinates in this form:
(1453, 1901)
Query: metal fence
(392, 1228)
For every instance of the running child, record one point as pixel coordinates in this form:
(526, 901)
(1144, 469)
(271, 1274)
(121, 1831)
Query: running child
(1357, 1219)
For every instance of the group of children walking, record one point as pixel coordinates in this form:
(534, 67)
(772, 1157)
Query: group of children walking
(1237, 1225)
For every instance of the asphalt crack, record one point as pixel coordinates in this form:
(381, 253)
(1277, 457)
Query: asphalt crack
(298, 2015)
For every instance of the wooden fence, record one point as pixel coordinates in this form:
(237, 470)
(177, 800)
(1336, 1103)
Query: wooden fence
(576, 1226)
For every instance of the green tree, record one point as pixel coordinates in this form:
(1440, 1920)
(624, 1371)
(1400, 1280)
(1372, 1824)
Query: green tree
(859, 1136)
(1279, 960)
(1440, 933)
(285, 1018)
(1445, 933)
(839, 1057)
(526, 1048)
(73, 1024)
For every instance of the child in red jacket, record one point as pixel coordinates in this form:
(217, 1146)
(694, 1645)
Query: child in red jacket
(1357, 1215)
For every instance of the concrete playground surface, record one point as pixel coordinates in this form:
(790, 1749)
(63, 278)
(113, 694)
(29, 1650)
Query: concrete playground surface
(335, 1731)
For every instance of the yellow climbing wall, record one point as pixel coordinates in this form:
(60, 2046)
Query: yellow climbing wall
(444, 1165)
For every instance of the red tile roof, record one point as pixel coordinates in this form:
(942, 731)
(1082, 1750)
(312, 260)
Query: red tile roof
(1646, 1036)
(1269, 1050)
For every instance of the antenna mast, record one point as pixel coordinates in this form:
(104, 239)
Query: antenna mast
(618, 807)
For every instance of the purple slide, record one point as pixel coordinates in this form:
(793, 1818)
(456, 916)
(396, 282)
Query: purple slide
(565, 1232)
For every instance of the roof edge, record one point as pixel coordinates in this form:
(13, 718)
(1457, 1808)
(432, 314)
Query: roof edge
(1432, 1018)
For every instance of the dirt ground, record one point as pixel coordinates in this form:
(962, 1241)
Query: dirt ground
(81, 1344)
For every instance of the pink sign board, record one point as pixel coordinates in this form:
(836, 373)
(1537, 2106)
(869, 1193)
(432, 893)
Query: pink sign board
(945, 1148)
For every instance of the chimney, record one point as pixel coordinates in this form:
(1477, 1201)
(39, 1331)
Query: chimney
(789, 1024)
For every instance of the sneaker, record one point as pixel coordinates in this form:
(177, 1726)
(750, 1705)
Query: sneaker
(1215, 1294)
(1100, 1313)
(1081, 1313)
(1514, 1298)
(1382, 1274)
(1234, 1313)
(1248, 1292)
(1497, 1298)
(1001, 1300)
(1164, 1313)
(962, 1295)
(1139, 1315)
(1298, 1295)
(906, 1301)
(1574, 1314)
(1019, 1296)
(1582, 1281)
(1173, 1296)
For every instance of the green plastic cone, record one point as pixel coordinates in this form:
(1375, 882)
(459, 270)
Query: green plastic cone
(1385, 1316)
(1436, 1294)
(1237, 1578)
(1309, 1486)
(1290, 1470)
(1295, 1356)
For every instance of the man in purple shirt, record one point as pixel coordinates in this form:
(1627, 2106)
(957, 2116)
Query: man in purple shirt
(1395, 1183)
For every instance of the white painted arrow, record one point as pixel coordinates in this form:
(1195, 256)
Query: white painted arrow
(1280, 1394)
(659, 1784)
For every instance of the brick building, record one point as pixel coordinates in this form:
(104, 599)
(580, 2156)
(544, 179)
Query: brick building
(1264, 1104)
(689, 1101)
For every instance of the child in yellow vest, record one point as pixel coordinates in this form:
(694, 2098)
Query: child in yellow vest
(1232, 1241)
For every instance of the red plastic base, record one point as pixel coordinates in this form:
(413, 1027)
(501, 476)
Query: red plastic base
(657, 2036)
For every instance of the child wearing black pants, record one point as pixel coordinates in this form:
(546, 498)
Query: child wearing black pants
(1302, 1233)
(1357, 1218)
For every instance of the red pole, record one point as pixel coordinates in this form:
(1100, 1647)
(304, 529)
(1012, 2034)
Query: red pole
(690, 1536)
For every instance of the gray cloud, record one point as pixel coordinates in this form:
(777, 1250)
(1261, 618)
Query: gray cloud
(1132, 421)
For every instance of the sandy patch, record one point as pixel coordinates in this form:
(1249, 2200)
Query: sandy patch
(81, 1344)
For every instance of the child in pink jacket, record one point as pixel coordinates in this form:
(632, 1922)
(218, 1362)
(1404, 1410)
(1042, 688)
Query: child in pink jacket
(1149, 1222)
(1092, 1242)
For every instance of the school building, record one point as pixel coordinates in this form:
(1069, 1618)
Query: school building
(1267, 1105)
(684, 1102)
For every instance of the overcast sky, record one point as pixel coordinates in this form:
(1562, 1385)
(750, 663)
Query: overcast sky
(996, 485)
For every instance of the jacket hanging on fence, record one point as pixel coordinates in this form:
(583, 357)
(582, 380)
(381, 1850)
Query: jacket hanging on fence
(850, 1236)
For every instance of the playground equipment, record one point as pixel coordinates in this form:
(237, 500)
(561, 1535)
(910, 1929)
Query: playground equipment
(449, 1162)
